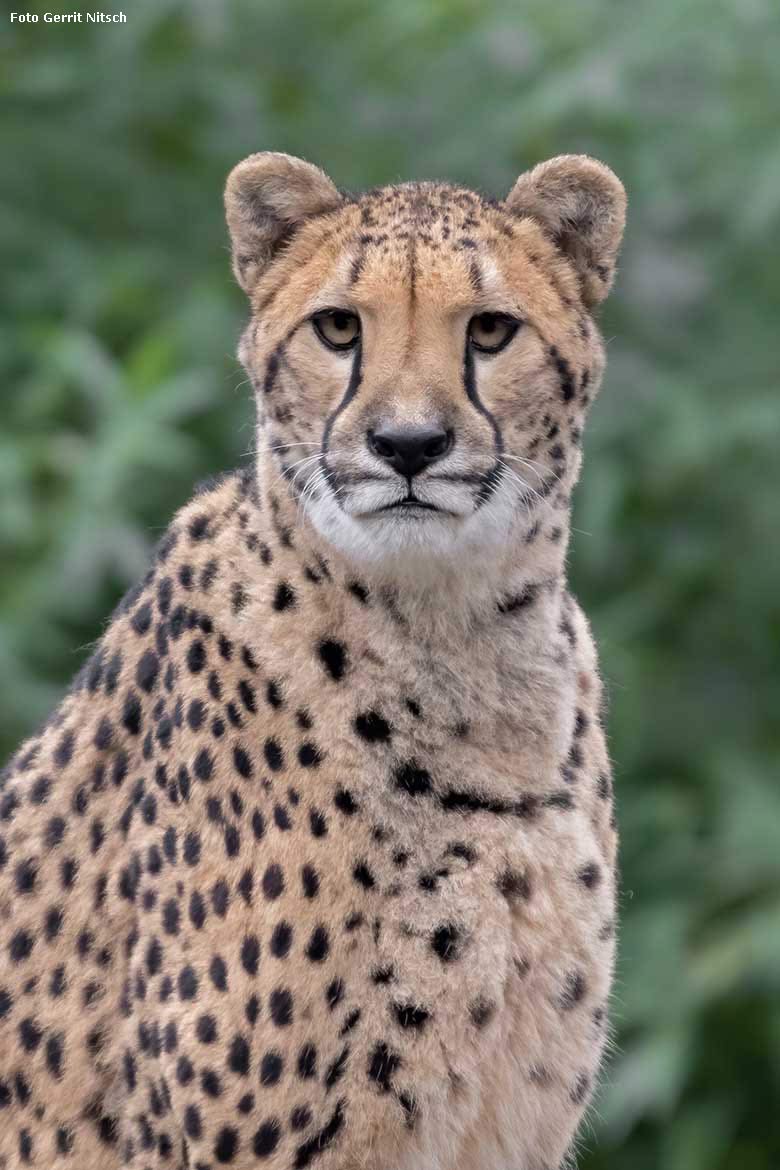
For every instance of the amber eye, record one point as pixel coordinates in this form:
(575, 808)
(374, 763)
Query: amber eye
(490, 332)
(338, 328)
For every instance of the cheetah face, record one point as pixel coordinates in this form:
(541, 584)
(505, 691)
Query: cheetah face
(423, 357)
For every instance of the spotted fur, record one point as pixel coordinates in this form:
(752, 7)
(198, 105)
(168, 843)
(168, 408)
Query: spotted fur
(314, 866)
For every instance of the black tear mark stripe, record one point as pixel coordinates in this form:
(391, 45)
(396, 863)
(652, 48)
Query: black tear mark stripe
(492, 478)
(355, 378)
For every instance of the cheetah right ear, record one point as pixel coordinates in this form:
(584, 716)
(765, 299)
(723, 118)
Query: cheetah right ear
(581, 204)
(267, 196)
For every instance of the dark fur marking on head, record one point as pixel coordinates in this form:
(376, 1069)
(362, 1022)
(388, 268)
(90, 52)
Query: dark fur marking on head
(492, 478)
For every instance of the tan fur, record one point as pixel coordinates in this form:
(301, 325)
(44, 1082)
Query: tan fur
(314, 865)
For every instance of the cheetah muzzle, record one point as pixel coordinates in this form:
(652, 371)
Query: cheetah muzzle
(314, 865)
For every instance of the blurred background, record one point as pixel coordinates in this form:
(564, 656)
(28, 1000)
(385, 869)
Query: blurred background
(119, 390)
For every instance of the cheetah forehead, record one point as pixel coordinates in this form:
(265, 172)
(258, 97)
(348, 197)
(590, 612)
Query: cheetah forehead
(290, 225)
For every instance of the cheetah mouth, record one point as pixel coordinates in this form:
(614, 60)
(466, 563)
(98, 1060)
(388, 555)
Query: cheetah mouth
(409, 505)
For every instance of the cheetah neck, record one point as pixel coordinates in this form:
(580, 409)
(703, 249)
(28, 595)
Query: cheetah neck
(433, 596)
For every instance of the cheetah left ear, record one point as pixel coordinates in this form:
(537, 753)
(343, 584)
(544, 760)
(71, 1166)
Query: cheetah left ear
(581, 204)
(268, 196)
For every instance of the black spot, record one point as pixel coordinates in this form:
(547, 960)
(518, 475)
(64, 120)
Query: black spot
(271, 1067)
(282, 818)
(273, 882)
(573, 991)
(196, 714)
(193, 1126)
(590, 875)
(281, 940)
(21, 945)
(267, 1138)
(274, 755)
(104, 734)
(363, 875)
(188, 983)
(192, 848)
(29, 1035)
(579, 1089)
(250, 954)
(147, 671)
(63, 753)
(246, 1103)
(281, 1007)
(318, 946)
(204, 765)
(218, 972)
(210, 1083)
(345, 802)
(220, 897)
(300, 1117)
(383, 1063)
(26, 876)
(199, 527)
(514, 885)
(446, 941)
(196, 656)
(171, 917)
(131, 713)
(307, 1062)
(412, 779)
(247, 694)
(310, 881)
(284, 597)
(226, 1145)
(242, 762)
(333, 656)
(482, 1012)
(359, 590)
(309, 755)
(410, 1015)
(206, 1029)
(370, 726)
(41, 788)
(164, 594)
(142, 619)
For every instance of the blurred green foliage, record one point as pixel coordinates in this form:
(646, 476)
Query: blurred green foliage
(119, 390)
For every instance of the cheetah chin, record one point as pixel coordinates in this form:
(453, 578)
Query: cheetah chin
(314, 865)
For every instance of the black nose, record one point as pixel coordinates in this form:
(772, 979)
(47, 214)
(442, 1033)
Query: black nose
(409, 450)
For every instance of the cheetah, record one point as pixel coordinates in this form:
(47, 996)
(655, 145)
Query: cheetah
(314, 865)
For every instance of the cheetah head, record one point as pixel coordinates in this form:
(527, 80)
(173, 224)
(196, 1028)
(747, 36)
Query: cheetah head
(423, 357)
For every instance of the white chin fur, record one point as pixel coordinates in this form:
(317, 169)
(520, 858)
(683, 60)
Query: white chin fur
(425, 540)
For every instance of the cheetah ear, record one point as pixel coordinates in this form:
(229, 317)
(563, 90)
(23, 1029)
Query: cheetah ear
(267, 197)
(582, 205)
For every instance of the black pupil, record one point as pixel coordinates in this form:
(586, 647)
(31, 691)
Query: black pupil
(488, 323)
(341, 322)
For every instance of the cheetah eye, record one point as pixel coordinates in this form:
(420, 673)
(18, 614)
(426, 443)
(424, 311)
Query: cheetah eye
(338, 328)
(490, 332)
